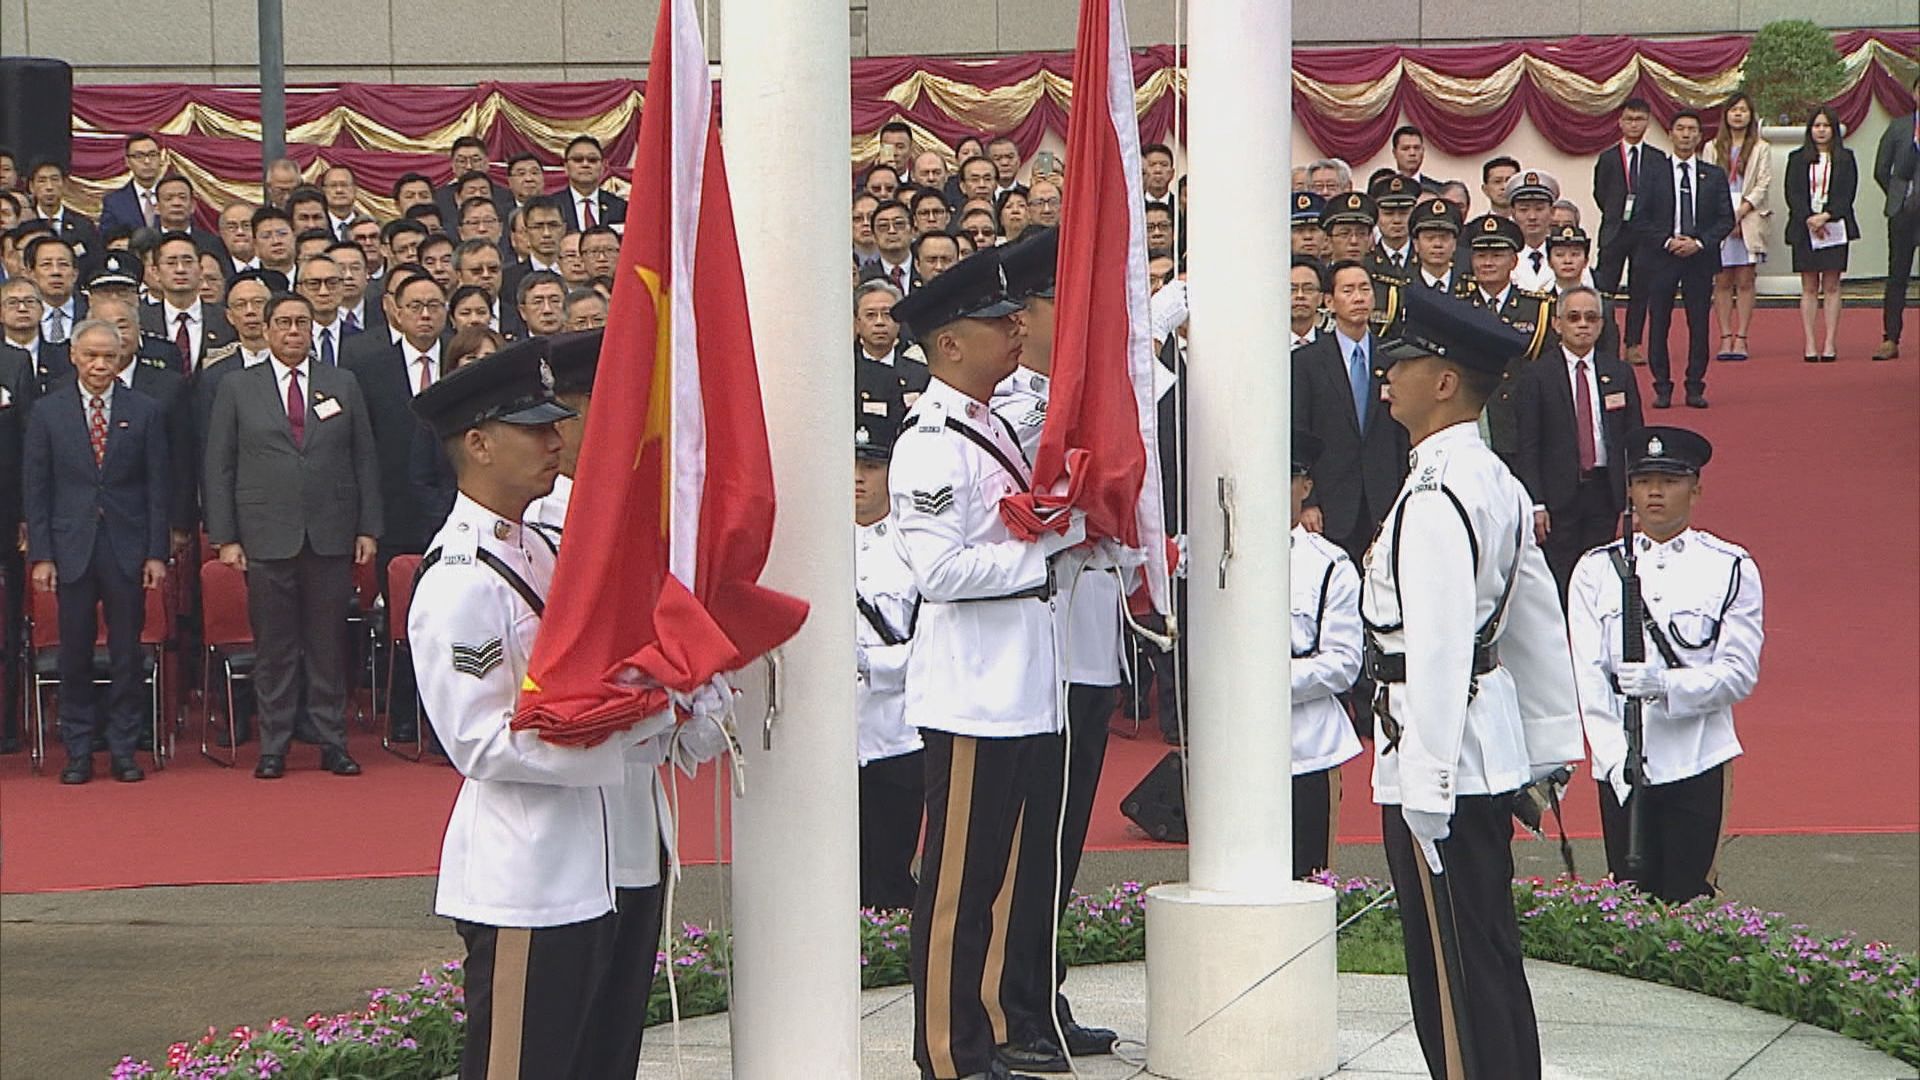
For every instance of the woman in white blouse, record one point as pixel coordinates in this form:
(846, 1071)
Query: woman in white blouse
(1748, 159)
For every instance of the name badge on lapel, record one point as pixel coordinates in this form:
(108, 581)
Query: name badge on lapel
(1614, 402)
(327, 408)
(6, 397)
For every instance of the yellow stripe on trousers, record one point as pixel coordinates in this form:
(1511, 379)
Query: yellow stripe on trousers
(1449, 1023)
(996, 958)
(511, 948)
(946, 907)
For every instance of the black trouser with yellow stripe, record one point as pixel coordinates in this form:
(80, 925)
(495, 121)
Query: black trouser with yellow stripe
(1498, 1033)
(976, 789)
(561, 1002)
(1316, 820)
(1683, 833)
(1031, 984)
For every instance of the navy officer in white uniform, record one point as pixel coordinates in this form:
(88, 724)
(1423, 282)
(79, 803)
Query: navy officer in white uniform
(1326, 661)
(551, 862)
(982, 681)
(1474, 699)
(1703, 630)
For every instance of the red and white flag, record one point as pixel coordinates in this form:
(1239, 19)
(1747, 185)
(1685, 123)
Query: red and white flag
(656, 589)
(1099, 449)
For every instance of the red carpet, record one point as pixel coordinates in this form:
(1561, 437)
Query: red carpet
(1814, 472)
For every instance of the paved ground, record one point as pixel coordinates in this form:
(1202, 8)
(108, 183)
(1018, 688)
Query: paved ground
(1585, 1021)
(86, 977)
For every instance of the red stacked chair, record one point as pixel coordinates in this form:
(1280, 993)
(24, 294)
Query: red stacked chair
(43, 666)
(227, 635)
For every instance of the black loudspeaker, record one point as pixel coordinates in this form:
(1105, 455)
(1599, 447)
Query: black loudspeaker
(36, 111)
(1159, 804)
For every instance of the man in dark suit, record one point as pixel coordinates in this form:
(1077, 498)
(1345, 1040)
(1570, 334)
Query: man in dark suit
(293, 499)
(136, 204)
(886, 382)
(389, 378)
(469, 156)
(544, 221)
(96, 483)
(1681, 217)
(1896, 167)
(586, 203)
(149, 366)
(1337, 382)
(47, 186)
(194, 326)
(174, 213)
(18, 389)
(1619, 177)
(1576, 408)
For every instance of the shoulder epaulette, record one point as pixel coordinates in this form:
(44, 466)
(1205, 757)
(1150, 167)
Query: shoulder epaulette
(930, 418)
(220, 353)
(460, 545)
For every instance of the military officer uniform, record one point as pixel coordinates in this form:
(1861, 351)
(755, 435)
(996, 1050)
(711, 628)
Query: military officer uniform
(1575, 236)
(1475, 699)
(1533, 273)
(981, 681)
(1326, 661)
(1438, 215)
(1307, 206)
(888, 388)
(1393, 194)
(1531, 313)
(1088, 629)
(549, 868)
(1703, 636)
(892, 770)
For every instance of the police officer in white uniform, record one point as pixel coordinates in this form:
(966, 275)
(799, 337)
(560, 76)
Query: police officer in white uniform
(1326, 661)
(575, 358)
(1087, 624)
(551, 862)
(1703, 636)
(1467, 647)
(892, 769)
(981, 683)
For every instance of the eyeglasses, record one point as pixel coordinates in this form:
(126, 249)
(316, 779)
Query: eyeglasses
(300, 322)
(891, 225)
(1043, 204)
(424, 307)
(1581, 316)
(20, 303)
(320, 282)
(143, 155)
(583, 159)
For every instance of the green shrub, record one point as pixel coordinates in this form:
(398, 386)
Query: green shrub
(1792, 68)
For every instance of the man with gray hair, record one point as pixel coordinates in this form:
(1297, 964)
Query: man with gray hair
(888, 376)
(1328, 177)
(96, 511)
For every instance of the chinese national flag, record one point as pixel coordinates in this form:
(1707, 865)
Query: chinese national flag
(656, 588)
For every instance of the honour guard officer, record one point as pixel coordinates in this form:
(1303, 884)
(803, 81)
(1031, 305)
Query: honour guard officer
(1326, 661)
(560, 918)
(1308, 237)
(1436, 242)
(575, 359)
(1475, 692)
(1392, 256)
(1703, 632)
(981, 683)
(892, 772)
(1087, 624)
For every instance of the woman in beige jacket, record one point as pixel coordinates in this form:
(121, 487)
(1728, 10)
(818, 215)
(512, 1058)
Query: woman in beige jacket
(1748, 159)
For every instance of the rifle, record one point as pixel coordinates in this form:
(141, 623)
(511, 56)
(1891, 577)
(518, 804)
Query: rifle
(1633, 650)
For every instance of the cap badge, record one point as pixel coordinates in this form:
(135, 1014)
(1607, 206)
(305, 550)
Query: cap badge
(1533, 178)
(1302, 201)
(1492, 224)
(1655, 447)
(546, 377)
(860, 437)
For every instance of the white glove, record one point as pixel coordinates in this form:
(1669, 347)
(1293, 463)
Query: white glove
(1180, 545)
(860, 660)
(1054, 543)
(700, 740)
(1542, 772)
(1617, 779)
(1428, 830)
(1642, 680)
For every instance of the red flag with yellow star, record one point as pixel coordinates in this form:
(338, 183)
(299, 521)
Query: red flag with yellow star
(657, 586)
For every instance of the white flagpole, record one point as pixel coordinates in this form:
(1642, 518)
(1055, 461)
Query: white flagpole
(1211, 940)
(796, 1007)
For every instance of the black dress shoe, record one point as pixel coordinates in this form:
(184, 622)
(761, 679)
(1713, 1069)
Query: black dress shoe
(1090, 1041)
(127, 771)
(271, 767)
(999, 1071)
(1037, 1054)
(339, 763)
(78, 771)
(1697, 400)
(1663, 399)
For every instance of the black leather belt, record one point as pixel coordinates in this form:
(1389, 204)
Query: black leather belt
(1386, 667)
(1042, 592)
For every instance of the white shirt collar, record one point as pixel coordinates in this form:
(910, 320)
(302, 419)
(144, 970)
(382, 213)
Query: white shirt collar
(249, 358)
(1572, 359)
(125, 377)
(106, 396)
(886, 359)
(193, 313)
(303, 368)
(1494, 300)
(1443, 279)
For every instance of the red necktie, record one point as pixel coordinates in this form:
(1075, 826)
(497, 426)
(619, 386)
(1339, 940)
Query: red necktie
(586, 214)
(1583, 416)
(899, 277)
(97, 428)
(426, 369)
(296, 410)
(184, 339)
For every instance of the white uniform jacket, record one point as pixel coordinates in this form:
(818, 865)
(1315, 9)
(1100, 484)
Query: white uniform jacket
(1705, 595)
(1432, 579)
(551, 509)
(533, 835)
(1326, 652)
(885, 588)
(983, 661)
(1087, 617)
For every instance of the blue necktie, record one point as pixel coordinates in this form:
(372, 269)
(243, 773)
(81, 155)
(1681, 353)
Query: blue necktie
(326, 347)
(1362, 381)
